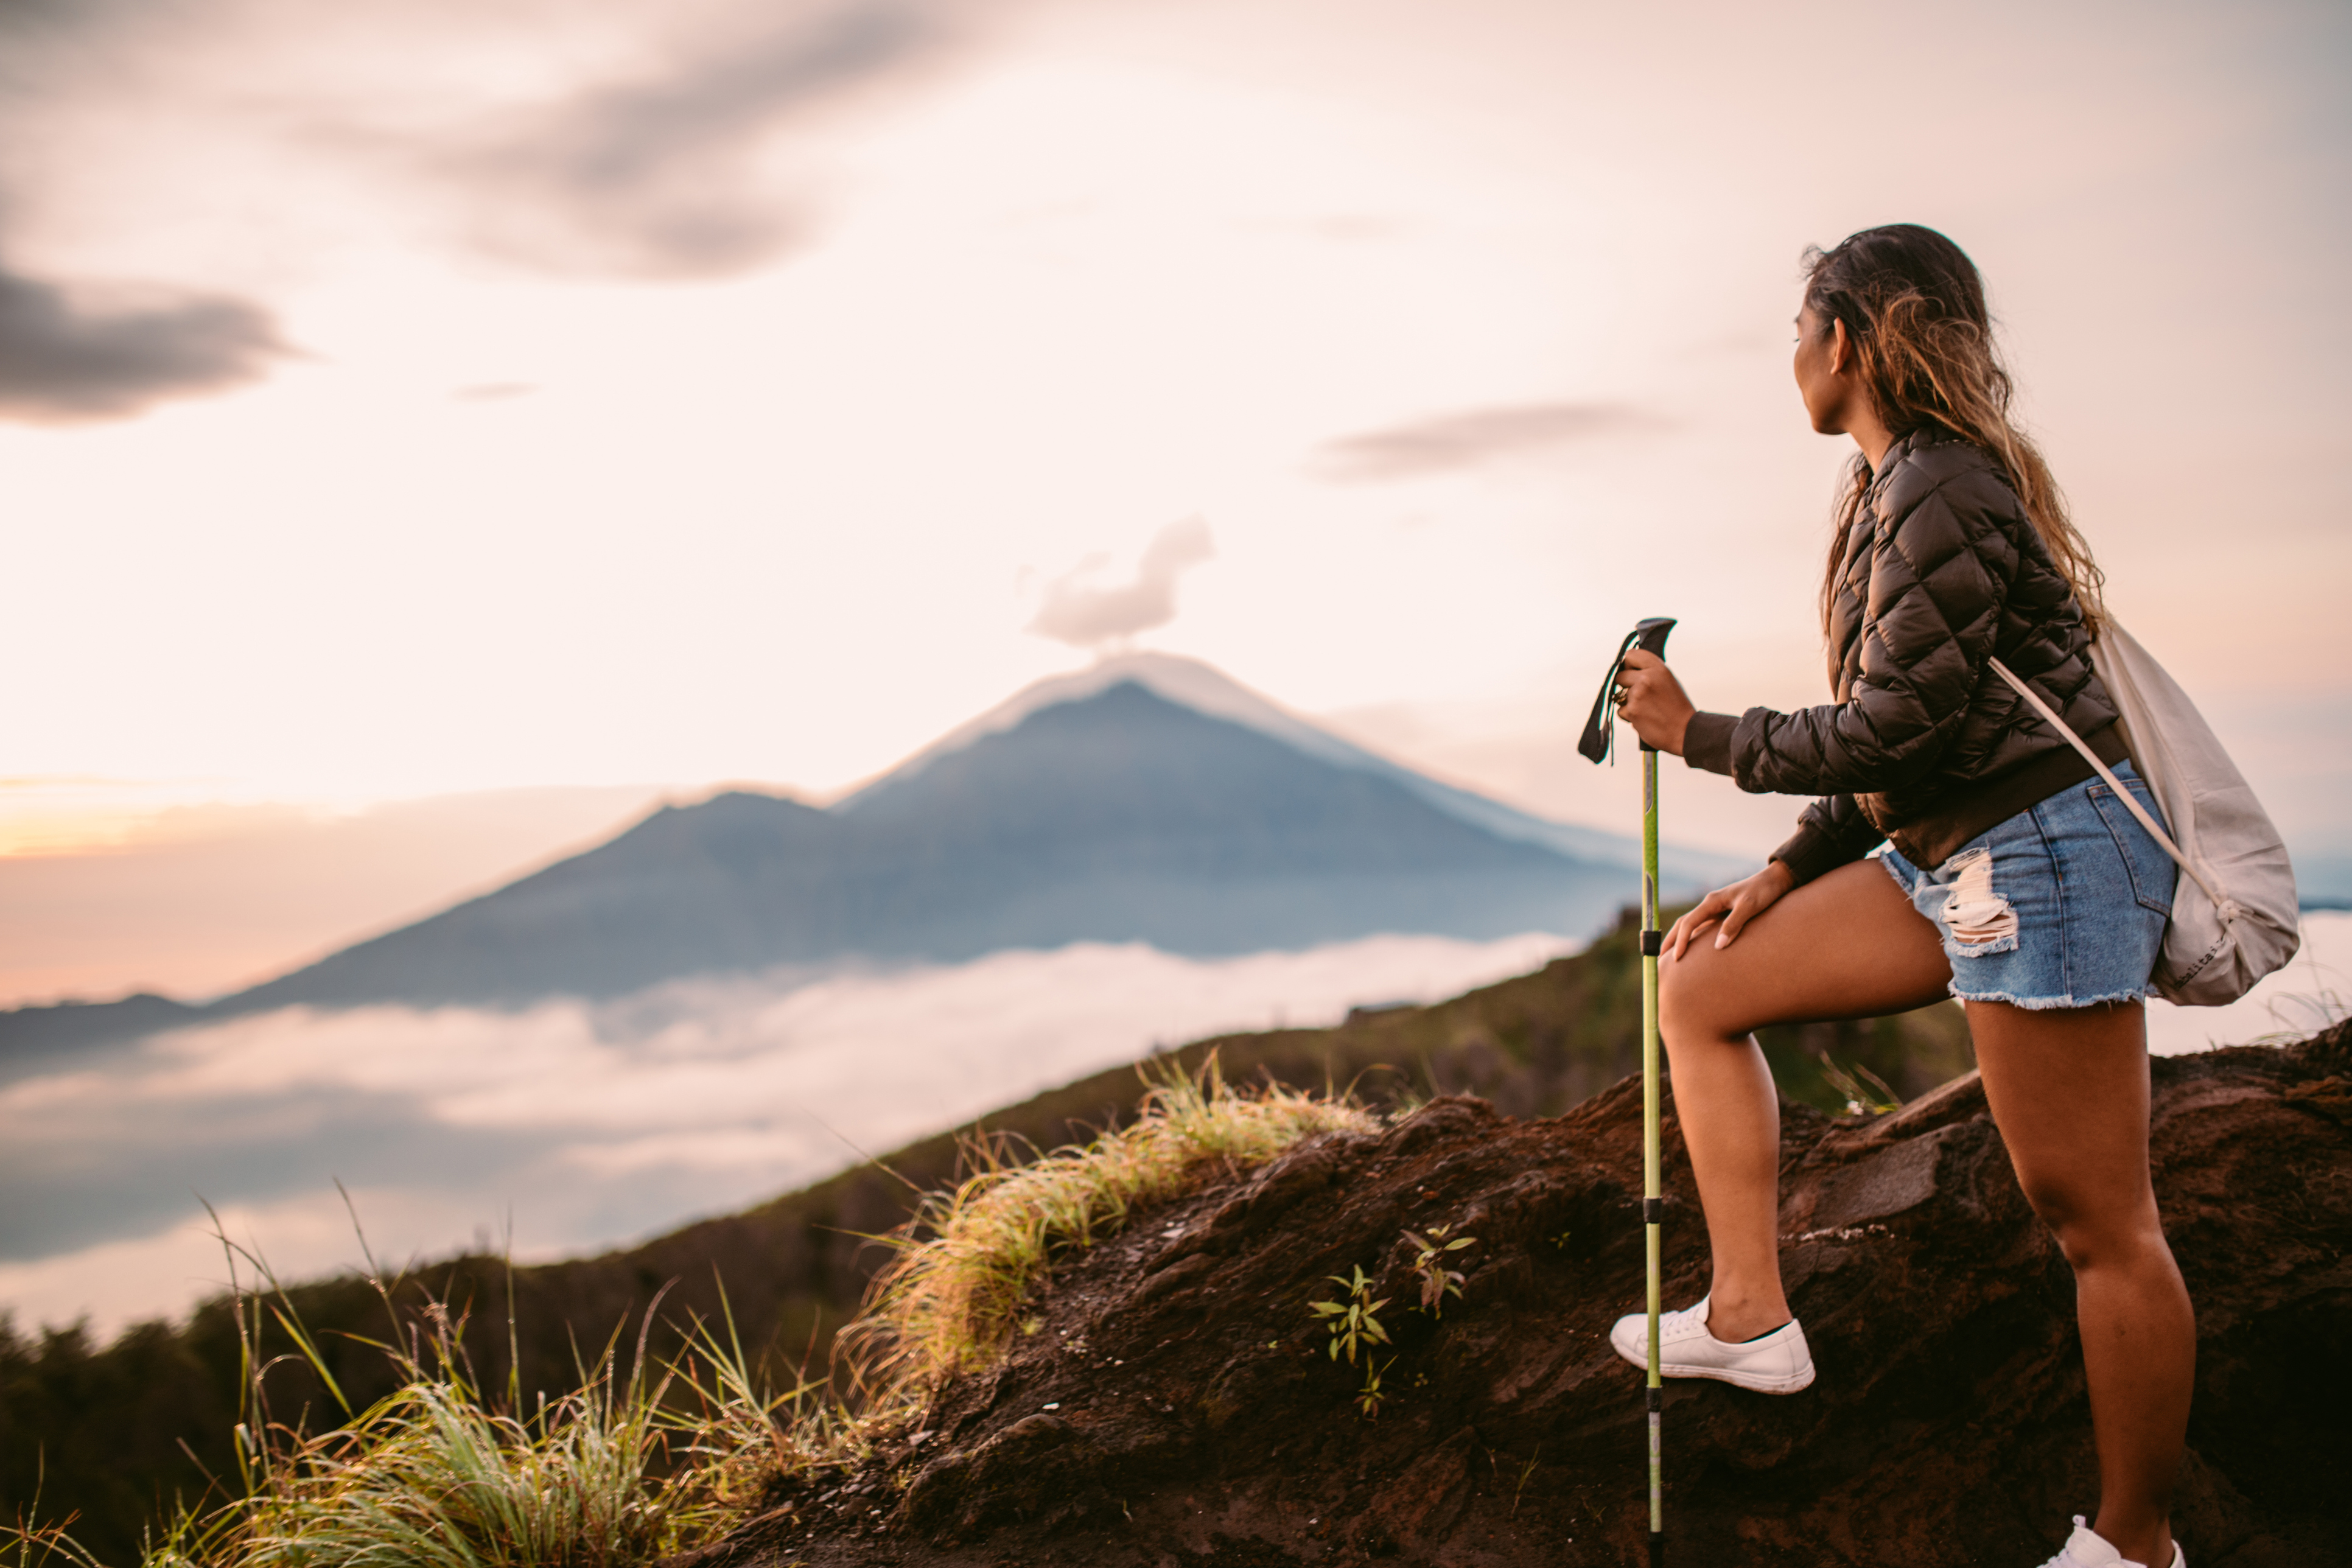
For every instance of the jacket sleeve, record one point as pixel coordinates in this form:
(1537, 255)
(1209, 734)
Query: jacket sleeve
(1832, 832)
(1939, 570)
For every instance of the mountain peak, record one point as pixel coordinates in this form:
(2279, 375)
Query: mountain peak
(1148, 798)
(1187, 682)
(1204, 689)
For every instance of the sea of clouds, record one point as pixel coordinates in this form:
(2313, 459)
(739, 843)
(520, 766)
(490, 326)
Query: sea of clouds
(569, 1127)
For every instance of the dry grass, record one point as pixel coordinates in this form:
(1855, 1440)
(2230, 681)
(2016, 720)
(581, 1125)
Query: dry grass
(443, 1473)
(635, 1463)
(973, 1257)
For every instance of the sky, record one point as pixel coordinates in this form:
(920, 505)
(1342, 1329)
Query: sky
(433, 432)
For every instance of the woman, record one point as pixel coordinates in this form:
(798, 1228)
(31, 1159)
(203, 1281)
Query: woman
(2014, 879)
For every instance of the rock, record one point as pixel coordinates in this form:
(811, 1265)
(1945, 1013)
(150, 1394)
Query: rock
(1900, 1177)
(1421, 1506)
(2331, 1096)
(1204, 1424)
(1177, 1276)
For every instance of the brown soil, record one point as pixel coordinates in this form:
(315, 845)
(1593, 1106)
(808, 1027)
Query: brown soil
(1174, 1403)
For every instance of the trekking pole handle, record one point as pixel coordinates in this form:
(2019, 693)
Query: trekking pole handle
(1600, 728)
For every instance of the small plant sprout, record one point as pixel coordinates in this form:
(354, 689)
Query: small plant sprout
(1368, 1397)
(1437, 1281)
(1351, 1322)
(1529, 1469)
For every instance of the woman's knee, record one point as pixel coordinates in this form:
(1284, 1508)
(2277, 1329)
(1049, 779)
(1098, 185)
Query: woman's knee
(2093, 1229)
(1692, 1002)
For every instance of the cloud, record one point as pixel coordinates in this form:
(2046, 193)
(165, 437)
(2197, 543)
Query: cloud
(66, 356)
(663, 174)
(631, 139)
(1450, 442)
(1079, 612)
(591, 1124)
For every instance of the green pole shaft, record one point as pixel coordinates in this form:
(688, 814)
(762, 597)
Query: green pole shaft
(1652, 1189)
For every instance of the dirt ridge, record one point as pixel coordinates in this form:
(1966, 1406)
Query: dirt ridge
(1173, 1402)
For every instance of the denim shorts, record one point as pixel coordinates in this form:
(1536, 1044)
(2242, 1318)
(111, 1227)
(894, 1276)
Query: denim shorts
(2064, 905)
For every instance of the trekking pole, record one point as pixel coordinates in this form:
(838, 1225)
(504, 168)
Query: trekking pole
(1598, 743)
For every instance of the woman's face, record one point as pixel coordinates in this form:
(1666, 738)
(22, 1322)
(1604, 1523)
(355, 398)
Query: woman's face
(1825, 385)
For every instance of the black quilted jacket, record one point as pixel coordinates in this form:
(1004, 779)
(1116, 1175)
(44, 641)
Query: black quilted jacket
(1925, 743)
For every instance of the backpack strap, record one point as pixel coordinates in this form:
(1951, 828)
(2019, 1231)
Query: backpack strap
(2154, 830)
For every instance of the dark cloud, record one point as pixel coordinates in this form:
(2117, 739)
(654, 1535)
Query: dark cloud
(1451, 442)
(661, 175)
(1084, 614)
(64, 358)
(666, 139)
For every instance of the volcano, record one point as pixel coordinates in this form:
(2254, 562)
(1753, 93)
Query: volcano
(1148, 800)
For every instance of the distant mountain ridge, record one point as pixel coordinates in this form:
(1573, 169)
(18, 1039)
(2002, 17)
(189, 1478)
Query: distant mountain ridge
(1150, 800)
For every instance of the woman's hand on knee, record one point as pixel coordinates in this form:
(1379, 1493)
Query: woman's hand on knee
(1732, 908)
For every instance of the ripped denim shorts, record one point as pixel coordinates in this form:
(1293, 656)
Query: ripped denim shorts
(2064, 905)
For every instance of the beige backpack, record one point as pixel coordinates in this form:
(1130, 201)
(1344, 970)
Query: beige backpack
(2233, 911)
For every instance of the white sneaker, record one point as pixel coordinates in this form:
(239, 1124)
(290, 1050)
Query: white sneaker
(1778, 1362)
(2086, 1548)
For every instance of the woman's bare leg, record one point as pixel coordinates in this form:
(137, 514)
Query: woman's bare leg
(1847, 946)
(2070, 1092)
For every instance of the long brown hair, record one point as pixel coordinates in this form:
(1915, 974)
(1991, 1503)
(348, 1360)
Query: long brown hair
(1914, 308)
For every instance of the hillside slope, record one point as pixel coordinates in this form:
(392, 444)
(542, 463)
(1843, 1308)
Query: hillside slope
(1172, 1401)
(107, 1423)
